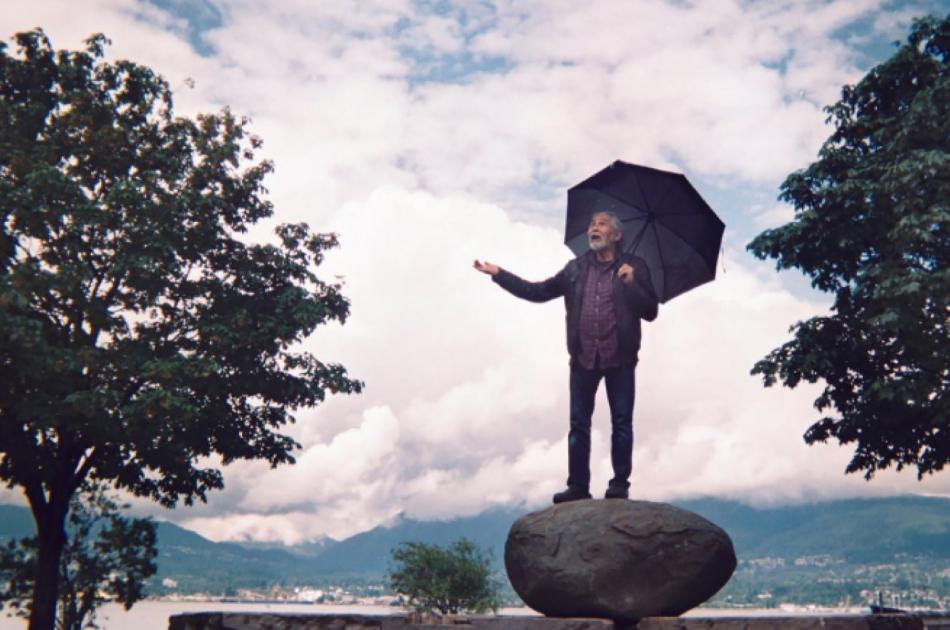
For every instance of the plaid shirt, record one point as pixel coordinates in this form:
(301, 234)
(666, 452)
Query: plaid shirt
(629, 304)
(598, 321)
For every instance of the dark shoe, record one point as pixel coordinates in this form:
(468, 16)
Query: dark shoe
(616, 493)
(571, 494)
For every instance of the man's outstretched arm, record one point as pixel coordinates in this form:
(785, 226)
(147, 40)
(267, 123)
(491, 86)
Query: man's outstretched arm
(531, 291)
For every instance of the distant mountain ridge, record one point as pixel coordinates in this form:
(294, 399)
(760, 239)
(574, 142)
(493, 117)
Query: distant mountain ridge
(854, 530)
(368, 553)
(310, 549)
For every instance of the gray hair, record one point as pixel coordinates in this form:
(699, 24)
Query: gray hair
(614, 222)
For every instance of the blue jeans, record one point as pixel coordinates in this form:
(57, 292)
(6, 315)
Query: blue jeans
(621, 389)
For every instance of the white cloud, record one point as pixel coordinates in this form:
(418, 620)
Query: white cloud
(354, 464)
(434, 34)
(771, 216)
(895, 24)
(475, 380)
(647, 81)
(466, 398)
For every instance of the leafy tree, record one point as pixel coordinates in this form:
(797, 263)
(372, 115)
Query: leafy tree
(144, 341)
(872, 226)
(107, 556)
(448, 580)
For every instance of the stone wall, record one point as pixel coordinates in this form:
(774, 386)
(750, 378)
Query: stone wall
(267, 621)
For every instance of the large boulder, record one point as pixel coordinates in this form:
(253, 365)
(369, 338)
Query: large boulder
(622, 560)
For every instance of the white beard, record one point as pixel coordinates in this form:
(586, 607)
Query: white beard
(597, 245)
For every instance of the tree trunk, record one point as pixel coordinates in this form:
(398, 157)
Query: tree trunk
(51, 538)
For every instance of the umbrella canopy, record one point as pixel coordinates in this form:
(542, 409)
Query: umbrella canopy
(665, 222)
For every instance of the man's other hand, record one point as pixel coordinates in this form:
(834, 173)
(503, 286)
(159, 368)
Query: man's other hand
(626, 274)
(486, 267)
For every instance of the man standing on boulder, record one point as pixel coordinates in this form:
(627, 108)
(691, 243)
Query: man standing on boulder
(606, 292)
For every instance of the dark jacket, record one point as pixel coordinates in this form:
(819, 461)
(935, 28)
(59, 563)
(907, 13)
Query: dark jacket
(631, 303)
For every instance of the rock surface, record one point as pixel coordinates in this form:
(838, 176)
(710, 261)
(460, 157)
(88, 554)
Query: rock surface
(622, 560)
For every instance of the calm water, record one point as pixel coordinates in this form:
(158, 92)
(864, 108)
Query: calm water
(150, 615)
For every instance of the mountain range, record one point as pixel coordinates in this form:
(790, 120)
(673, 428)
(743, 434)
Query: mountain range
(853, 531)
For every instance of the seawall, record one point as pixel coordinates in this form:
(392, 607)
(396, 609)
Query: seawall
(271, 621)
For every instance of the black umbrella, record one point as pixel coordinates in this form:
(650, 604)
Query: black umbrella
(665, 222)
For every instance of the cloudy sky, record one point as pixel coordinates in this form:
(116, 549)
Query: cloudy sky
(430, 133)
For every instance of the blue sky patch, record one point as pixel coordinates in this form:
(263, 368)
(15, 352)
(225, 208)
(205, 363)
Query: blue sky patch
(200, 16)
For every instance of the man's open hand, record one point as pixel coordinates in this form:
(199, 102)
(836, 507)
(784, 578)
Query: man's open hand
(486, 267)
(625, 273)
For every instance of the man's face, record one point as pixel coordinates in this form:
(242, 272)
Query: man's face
(601, 232)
